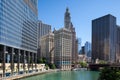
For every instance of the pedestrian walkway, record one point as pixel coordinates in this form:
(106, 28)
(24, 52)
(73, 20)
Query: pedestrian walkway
(26, 75)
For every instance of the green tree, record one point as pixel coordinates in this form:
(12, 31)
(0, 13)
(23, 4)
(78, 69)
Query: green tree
(102, 62)
(31, 60)
(52, 66)
(83, 64)
(46, 65)
(40, 60)
(109, 74)
(44, 60)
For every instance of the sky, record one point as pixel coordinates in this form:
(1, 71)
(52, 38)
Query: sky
(82, 13)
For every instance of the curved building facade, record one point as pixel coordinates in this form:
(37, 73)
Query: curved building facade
(18, 33)
(18, 24)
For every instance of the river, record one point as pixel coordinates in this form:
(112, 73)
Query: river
(66, 75)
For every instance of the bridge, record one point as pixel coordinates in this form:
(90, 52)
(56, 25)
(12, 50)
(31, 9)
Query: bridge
(95, 67)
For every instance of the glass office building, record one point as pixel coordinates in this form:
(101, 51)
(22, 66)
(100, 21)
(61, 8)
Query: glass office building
(79, 45)
(18, 32)
(104, 38)
(88, 49)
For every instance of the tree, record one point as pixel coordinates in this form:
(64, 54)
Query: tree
(40, 60)
(52, 66)
(83, 64)
(46, 66)
(31, 60)
(109, 74)
(102, 62)
(44, 60)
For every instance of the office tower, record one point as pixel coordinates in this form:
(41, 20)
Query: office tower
(104, 38)
(43, 29)
(68, 25)
(63, 46)
(83, 50)
(88, 49)
(47, 49)
(118, 45)
(79, 45)
(18, 34)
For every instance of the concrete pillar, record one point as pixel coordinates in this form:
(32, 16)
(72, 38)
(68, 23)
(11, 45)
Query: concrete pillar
(24, 60)
(4, 59)
(28, 61)
(32, 60)
(35, 60)
(18, 61)
(12, 61)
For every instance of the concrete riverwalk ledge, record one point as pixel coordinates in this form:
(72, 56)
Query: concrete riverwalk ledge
(27, 75)
(23, 72)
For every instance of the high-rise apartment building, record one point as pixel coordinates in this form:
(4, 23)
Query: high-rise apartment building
(63, 46)
(47, 47)
(104, 38)
(18, 33)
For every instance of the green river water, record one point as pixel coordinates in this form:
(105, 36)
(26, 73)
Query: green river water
(66, 75)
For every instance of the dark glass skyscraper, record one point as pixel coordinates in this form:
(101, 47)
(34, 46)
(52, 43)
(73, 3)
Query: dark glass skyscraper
(104, 38)
(118, 45)
(18, 32)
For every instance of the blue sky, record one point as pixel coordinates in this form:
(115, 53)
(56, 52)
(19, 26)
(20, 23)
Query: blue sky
(82, 12)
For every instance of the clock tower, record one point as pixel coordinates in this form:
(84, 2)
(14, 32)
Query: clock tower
(67, 19)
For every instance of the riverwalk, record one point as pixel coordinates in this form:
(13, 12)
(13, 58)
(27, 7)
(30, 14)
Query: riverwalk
(15, 77)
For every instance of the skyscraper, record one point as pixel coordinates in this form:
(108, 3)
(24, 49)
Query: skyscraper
(79, 45)
(118, 45)
(104, 38)
(43, 29)
(63, 46)
(83, 50)
(47, 47)
(68, 25)
(88, 49)
(18, 32)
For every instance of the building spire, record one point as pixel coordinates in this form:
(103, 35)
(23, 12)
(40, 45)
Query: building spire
(67, 19)
(67, 9)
